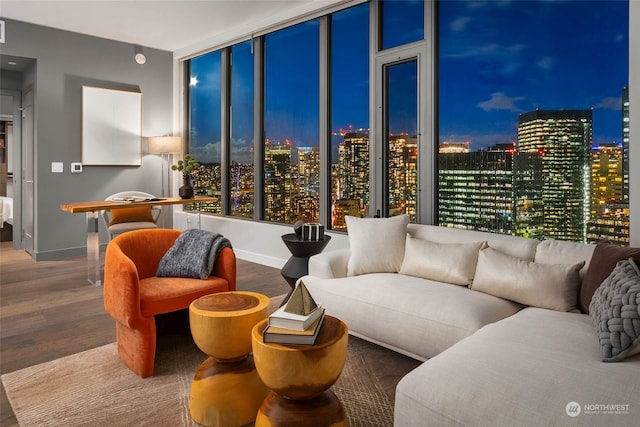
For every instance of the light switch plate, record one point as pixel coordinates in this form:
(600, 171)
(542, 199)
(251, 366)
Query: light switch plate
(76, 167)
(57, 167)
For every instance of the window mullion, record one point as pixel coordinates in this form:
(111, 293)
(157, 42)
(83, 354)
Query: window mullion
(258, 128)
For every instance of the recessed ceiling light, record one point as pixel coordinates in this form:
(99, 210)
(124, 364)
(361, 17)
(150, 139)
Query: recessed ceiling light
(12, 63)
(140, 58)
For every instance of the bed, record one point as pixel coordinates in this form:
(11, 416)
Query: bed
(6, 218)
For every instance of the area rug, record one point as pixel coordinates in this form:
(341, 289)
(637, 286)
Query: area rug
(95, 388)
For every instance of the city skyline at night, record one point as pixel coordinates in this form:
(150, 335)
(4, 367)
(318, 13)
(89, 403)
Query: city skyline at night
(497, 62)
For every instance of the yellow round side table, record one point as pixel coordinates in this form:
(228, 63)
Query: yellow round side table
(300, 378)
(226, 390)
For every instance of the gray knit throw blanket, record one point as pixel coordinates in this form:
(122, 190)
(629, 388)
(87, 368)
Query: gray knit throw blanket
(193, 254)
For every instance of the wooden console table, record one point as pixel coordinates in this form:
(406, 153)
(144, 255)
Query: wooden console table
(93, 240)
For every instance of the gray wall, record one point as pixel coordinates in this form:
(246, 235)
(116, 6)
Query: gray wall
(66, 61)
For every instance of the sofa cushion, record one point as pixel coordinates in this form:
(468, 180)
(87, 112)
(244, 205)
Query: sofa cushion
(552, 286)
(605, 257)
(376, 244)
(520, 371)
(563, 252)
(414, 316)
(519, 247)
(453, 263)
(615, 311)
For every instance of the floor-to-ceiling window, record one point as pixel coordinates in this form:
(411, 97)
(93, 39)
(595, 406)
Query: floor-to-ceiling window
(527, 136)
(349, 56)
(241, 172)
(205, 134)
(291, 124)
(532, 100)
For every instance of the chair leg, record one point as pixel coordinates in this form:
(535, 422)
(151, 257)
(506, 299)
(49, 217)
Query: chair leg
(137, 347)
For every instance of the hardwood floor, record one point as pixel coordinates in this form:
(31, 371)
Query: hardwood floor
(48, 310)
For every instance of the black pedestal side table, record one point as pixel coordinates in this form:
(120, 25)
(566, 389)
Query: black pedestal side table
(301, 250)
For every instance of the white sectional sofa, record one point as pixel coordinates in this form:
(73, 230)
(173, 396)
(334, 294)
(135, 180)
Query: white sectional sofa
(493, 316)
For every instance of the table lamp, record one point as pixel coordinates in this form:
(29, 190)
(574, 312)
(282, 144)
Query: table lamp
(165, 146)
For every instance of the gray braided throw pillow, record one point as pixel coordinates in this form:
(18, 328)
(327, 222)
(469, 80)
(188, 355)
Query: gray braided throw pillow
(615, 312)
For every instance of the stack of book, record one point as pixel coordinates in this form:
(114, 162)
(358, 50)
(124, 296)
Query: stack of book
(297, 322)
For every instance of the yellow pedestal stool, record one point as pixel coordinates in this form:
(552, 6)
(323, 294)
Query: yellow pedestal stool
(300, 378)
(226, 389)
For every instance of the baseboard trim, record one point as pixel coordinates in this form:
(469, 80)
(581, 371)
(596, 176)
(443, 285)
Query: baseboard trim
(260, 258)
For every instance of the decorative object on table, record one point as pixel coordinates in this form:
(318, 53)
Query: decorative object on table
(165, 146)
(298, 313)
(301, 302)
(297, 322)
(186, 166)
(297, 227)
(287, 336)
(312, 232)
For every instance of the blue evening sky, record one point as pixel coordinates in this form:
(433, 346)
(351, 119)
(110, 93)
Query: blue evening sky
(502, 58)
(497, 59)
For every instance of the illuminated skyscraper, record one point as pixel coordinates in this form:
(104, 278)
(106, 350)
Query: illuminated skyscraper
(403, 175)
(351, 186)
(309, 171)
(528, 184)
(606, 177)
(610, 193)
(306, 203)
(278, 182)
(475, 188)
(609, 212)
(562, 139)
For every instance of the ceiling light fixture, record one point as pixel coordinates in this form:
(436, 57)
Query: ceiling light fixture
(139, 57)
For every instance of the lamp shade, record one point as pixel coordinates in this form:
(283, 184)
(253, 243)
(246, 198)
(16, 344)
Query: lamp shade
(165, 144)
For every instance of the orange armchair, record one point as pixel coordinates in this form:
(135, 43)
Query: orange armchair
(133, 295)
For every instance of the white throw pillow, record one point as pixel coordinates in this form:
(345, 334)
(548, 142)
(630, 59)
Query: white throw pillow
(453, 263)
(376, 244)
(552, 286)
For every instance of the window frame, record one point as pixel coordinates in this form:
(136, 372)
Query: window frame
(428, 132)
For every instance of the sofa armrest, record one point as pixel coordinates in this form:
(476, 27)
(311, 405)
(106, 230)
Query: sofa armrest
(330, 264)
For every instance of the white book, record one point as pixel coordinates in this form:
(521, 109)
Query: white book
(296, 322)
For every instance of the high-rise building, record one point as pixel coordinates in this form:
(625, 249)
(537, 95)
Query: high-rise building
(342, 208)
(562, 139)
(475, 188)
(606, 177)
(278, 182)
(306, 200)
(309, 171)
(528, 184)
(353, 170)
(403, 175)
(609, 212)
(610, 186)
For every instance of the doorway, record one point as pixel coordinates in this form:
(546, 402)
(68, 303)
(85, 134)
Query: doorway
(403, 142)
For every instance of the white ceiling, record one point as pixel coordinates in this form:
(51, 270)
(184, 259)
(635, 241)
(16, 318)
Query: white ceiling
(162, 24)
